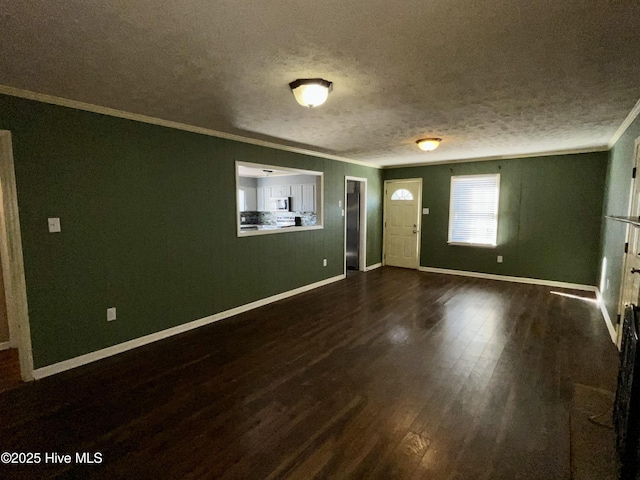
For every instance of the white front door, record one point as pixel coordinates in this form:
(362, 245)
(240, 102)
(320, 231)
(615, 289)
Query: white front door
(403, 200)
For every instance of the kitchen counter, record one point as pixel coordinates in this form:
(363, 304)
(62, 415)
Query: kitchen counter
(251, 230)
(245, 228)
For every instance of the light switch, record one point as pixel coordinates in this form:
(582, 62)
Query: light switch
(343, 212)
(111, 314)
(340, 203)
(54, 225)
(499, 258)
(425, 211)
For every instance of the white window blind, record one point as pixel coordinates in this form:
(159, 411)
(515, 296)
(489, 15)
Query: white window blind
(473, 209)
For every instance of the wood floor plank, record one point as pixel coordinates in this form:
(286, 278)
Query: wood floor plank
(390, 374)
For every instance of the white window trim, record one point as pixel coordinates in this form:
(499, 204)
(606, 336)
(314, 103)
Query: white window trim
(471, 244)
(319, 201)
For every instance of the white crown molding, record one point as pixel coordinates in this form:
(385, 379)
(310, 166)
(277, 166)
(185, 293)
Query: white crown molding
(633, 114)
(112, 112)
(154, 337)
(573, 151)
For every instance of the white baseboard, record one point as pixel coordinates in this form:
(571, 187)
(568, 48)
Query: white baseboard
(5, 345)
(507, 278)
(535, 281)
(373, 267)
(154, 337)
(607, 319)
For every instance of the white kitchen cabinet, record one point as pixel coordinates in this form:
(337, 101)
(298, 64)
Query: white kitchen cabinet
(308, 198)
(296, 198)
(262, 207)
(264, 197)
(281, 191)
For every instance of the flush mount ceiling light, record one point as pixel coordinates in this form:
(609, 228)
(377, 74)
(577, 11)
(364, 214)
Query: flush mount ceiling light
(311, 92)
(429, 144)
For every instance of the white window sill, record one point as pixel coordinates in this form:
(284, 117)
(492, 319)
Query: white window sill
(479, 245)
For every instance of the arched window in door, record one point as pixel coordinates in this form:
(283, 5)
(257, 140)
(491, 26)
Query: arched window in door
(402, 194)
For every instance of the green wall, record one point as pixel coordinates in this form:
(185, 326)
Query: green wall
(549, 217)
(616, 202)
(148, 226)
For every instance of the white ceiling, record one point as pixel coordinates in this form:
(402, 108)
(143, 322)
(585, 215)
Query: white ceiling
(492, 78)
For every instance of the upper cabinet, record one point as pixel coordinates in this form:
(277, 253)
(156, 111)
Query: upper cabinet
(296, 198)
(281, 191)
(303, 198)
(308, 198)
(263, 198)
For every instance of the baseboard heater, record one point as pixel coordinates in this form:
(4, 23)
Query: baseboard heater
(626, 409)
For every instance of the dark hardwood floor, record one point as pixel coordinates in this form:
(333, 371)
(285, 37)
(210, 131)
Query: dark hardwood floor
(9, 369)
(388, 374)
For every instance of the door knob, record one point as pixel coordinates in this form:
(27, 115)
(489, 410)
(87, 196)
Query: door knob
(635, 270)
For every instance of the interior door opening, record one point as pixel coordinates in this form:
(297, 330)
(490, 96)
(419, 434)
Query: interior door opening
(9, 358)
(12, 262)
(355, 224)
(630, 282)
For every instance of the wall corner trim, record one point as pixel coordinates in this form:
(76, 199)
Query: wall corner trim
(607, 319)
(59, 367)
(5, 345)
(633, 114)
(373, 267)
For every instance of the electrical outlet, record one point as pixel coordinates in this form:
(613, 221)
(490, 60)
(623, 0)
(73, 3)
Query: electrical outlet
(607, 287)
(499, 258)
(324, 262)
(425, 211)
(111, 314)
(54, 225)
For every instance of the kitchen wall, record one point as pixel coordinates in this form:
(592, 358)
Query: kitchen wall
(148, 220)
(616, 202)
(549, 217)
(248, 182)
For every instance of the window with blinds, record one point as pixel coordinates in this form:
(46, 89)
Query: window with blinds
(473, 209)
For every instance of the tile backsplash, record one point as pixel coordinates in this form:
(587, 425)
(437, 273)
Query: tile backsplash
(270, 218)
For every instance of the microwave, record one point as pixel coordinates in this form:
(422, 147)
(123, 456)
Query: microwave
(280, 204)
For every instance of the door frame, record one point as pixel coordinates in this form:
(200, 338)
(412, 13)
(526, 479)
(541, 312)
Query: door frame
(636, 164)
(12, 260)
(384, 217)
(362, 242)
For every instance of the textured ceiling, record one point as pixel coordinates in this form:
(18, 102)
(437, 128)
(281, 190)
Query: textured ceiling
(491, 78)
